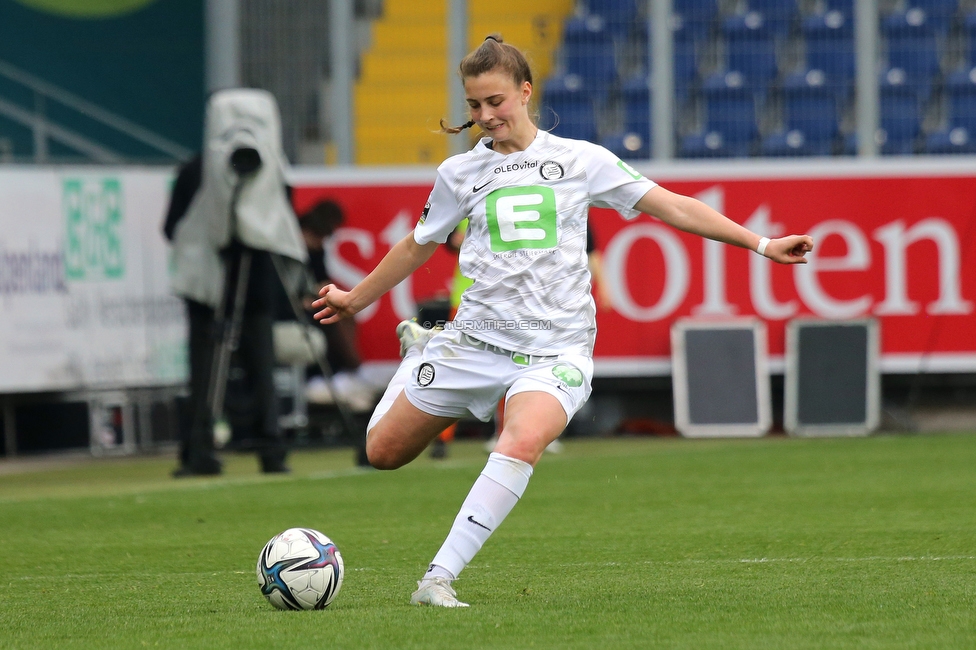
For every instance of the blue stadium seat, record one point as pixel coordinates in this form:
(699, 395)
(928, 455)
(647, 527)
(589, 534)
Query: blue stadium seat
(685, 57)
(951, 141)
(793, 143)
(588, 51)
(750, 48)
(961, 99)
(709, 144)
(969, 26)
(940, 13)
(730, 110)
(901, 115)
(628, 145)
(830, 47)
(685, 69)
(620, 15)
(780, 15)
(566, 104)
(912, 46)
(693, 19)
(635, 95)
(846, 7)
(810, 108)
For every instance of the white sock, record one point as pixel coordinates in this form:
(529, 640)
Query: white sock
(409, 363)
(499, 487)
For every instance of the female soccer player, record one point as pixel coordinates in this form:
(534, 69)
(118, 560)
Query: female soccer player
(526, 327)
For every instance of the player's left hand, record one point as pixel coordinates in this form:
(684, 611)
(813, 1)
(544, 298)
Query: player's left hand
(791, 249)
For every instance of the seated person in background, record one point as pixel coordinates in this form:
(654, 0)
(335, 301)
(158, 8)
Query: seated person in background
(342, 355)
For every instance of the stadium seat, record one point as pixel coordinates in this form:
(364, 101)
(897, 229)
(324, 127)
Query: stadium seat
(709, 144)
(912, 46)
(793, 143)
(567, 106)
(628, 145)
(620, 15)
(961, 99)
(779, 14)
(951, 141)
(846, 7)
(829, 41)
(969, 27)
(588, 51)
(901, 115)
(730, 110)
(685, 67)
(635, 96)
(750, 48)
(810, 108)
(940, 13)
(692, 19)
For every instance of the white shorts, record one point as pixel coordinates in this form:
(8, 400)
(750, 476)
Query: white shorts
(459, 375)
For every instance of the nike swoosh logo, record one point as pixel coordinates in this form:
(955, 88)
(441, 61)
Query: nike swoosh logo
(478, 189)
(471, 519)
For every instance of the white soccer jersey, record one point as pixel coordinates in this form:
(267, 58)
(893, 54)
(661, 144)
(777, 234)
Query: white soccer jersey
(525, 246)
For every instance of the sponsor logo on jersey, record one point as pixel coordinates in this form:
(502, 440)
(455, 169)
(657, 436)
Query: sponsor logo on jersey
(516, 167)
(423, 215)
(551, 170)
(425, 374)
(478, 188)
(568, 375)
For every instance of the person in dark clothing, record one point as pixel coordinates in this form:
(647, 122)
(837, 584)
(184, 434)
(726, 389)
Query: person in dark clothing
(255, 353)
(317, 225)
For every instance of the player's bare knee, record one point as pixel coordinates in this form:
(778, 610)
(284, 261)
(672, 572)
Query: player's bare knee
(382, 455)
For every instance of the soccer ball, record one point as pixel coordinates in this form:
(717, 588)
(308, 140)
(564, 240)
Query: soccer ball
(300, 569)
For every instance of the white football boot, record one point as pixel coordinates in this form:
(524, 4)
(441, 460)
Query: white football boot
(411, 334)
(436, 592)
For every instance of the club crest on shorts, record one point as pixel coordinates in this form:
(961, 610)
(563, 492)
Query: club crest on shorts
(568, 375)
(425, 374)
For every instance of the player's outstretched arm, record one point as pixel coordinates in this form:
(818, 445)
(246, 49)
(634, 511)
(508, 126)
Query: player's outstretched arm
(404, 258)
(691, 215)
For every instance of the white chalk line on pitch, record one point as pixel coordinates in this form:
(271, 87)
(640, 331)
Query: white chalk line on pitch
(772, 560)
(477, 567)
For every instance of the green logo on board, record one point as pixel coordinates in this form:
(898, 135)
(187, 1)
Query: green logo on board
(87, 8)
(568, 375)
(93, 229)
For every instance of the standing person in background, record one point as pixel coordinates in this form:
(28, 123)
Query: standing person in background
(229, 214)
(342, 350)
(526, 327)
(256, 351)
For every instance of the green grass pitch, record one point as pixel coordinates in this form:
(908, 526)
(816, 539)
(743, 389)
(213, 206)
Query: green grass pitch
(629, 543)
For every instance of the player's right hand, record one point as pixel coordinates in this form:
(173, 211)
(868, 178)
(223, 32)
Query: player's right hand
(333, 304)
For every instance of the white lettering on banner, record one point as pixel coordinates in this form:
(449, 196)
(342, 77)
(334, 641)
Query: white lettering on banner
(715, 302)
(401, 296)
(857, 258)
(896, 239)
(760, 281)
(344, 273)
(676, 271)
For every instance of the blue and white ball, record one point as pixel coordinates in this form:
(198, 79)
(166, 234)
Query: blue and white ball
(300, 569)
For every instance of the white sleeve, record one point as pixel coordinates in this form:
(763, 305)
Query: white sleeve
(613, 183)
(441, 215)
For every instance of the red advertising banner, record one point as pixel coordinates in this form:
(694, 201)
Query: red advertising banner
(897, 243)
